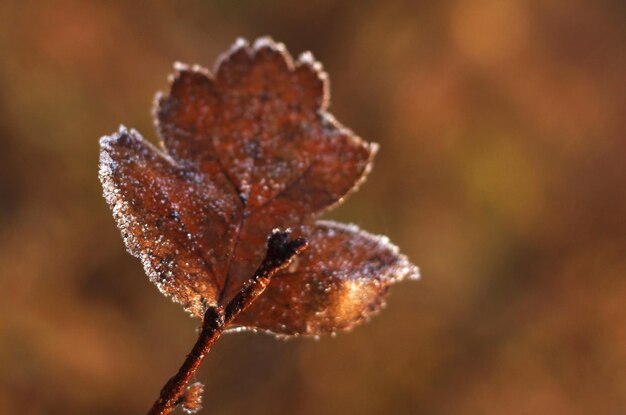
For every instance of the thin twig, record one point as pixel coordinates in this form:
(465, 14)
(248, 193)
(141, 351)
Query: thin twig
(280, 251)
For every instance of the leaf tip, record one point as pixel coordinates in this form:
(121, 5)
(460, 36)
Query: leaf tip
(106, 141)
(239, 43)
(412, 273)
(180, 66)
(373, 147)
(267, 42)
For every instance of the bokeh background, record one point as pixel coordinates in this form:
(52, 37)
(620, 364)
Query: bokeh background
(501, 173)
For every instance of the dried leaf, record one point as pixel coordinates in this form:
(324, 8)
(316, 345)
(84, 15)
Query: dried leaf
(191, 401)
(243, 152)
(339, 281)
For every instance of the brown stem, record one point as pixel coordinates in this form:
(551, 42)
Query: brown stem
(280, 251)
(212, 327)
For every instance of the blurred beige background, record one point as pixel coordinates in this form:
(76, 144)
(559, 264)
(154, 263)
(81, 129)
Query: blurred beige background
(501, 173)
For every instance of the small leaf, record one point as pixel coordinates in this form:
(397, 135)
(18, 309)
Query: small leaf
(248, 150)
(191, 401)
(339, 281)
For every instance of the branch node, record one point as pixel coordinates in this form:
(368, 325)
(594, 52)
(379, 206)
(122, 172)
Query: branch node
(280, 249)
(280, 252)
(213, 318)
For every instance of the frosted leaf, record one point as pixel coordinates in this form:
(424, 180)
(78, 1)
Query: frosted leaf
(244, 151)
(170, 217)
(338, 282)
(191, 401)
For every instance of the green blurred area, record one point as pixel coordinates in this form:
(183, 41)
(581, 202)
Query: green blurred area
(501, 173)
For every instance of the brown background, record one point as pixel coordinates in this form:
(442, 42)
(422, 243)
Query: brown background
(501, 173)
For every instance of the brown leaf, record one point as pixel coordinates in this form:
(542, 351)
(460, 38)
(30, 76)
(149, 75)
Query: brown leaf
(339, 281)
(191, 401)
(246, 151)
